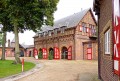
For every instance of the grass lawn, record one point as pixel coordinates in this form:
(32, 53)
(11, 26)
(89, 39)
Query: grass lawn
(7, 68)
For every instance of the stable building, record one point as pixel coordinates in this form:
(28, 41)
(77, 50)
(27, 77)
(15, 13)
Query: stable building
(72, 37)
(25, 50)
(108, 12)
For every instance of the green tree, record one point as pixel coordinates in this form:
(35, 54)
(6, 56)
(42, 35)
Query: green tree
(27, 15)
(5, 21)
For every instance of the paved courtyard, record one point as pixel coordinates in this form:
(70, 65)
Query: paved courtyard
(63, 70)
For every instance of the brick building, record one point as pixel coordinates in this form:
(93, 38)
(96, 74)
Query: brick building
(72, 37)
(25, 50)
(108, 12)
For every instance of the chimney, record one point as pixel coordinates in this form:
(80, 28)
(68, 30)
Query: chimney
(8, 42)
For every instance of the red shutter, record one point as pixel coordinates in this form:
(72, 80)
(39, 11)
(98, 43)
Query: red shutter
(35, 52)
(70, 53)
(56, 53)
(44, 51)
(80, 28)
(116, 36)
(88, 30)
(89, 53)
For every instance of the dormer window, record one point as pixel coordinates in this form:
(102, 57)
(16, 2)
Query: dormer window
(44, 34)
(40, 34)
(49, 33)
(55, 31)
(62, 29)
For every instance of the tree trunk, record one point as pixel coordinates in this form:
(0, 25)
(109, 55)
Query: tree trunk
(3, 46)
(17, 51)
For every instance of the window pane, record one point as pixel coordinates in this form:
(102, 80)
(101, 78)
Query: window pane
(107, 42)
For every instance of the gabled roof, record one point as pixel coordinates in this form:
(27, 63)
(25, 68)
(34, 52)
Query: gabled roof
(72, 20)
(68, 22)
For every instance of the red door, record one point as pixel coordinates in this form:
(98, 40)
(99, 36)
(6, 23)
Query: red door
(89, 53)
(44, 51)
(70, 53)
(56, 53)
(35, 52)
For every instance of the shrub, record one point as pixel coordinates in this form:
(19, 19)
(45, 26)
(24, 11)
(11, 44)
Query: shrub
(40, 56)
(50, 55)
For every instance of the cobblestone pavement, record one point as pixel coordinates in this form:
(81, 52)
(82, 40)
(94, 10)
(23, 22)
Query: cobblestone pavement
(63, 70)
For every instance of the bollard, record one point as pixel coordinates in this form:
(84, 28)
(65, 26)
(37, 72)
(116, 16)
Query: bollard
(22, 64)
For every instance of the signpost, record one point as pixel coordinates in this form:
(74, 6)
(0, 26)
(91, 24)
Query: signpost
(22, 64)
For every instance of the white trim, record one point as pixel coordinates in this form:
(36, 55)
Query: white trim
(107, 42)
(116, 65)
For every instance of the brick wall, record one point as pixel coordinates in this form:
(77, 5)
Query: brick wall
(61, 40)
(82, 37)
(94, 47)
(71, 37)
(105, 23)
(8, 53)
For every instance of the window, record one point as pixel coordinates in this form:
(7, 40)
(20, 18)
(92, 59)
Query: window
(107, 42)
(89, 45)
(44, 34)
(49, 33)
(93, 30)
(84, 29)
(55, 31)
(40, 34)
(62, 29)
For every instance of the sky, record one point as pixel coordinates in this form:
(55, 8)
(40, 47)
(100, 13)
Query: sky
(64, 8)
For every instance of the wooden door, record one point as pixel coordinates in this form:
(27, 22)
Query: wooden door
(70, 53)
(56, 53)
(44, 51)
(89, 53)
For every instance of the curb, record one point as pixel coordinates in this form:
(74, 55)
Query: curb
(23, 74)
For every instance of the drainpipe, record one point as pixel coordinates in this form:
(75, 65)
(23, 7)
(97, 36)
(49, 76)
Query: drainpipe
(99, 54)
(97, 12)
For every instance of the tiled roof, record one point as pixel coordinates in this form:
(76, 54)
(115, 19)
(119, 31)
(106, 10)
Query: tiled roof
(69, 21)
(72, 20)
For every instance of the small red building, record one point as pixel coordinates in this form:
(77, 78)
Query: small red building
(25, 50)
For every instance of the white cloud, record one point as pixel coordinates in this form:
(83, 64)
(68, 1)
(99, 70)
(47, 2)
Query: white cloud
(68, 7)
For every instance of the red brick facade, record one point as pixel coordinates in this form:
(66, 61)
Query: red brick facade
(72, 37)
(103, 9)
(24, 51)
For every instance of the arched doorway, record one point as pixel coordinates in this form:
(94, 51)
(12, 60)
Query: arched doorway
(21, 53)
(40, 50)
(51, 51)
(64, 52)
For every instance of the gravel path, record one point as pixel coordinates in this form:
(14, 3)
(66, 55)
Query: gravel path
(64, 70)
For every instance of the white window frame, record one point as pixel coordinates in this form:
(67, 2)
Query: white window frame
(63, 30)
(107, 42)
(55, 31)
(50, 33)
